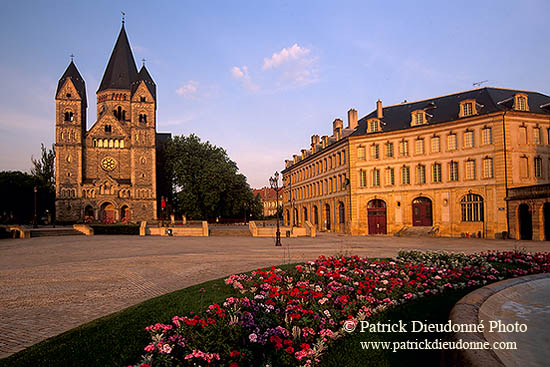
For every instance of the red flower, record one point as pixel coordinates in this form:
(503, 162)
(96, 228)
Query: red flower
(235, 353)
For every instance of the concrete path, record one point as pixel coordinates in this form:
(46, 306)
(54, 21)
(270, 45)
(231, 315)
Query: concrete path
(49, 285)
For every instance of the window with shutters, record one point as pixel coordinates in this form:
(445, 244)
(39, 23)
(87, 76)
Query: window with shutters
(470, 169)
(419, 146)
(468, 139)
(436, 144)
(404, 148)
(538, 167)
(522, 135)
(451, 142)
(375, 151)
(420, 174)
(471, 207)
(487, 135)
(376, 177)
(536, 135)
(389, 150)
(523, 167)
(390, 177)
(453, 171)
(488, 168)
(405, 175)
(361, 153)
(362, 178)
(436, 172)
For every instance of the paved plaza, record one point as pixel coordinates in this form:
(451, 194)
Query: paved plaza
(52, 284)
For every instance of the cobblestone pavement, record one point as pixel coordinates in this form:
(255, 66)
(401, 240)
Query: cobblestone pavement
(52, 284)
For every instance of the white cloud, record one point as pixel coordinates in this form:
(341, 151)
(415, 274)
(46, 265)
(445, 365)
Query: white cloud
(241, 73)
(294, 52)
(188, 90)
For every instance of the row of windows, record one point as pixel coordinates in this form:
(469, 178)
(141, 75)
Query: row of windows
(420, 146)
(421, 176)
(537, 136)
(108, 143)
(323, 187)
(537, 166)
(330, 162)
(69, 135)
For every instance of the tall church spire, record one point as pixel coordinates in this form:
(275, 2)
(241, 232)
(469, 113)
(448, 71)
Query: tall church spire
(121, 70)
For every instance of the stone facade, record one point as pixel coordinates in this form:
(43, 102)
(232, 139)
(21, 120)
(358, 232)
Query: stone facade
(107, 173)
(444, 163)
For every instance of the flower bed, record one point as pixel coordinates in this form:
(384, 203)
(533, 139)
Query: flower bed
(289, 318)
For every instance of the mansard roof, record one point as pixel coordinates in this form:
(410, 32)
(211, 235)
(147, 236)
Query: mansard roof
(121, 70)
(73, 74)
(446, 108)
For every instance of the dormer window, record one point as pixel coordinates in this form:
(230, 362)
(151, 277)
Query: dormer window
(467, 108)
(373, 126)
(418, 118)
(520, 102)
(107, 128)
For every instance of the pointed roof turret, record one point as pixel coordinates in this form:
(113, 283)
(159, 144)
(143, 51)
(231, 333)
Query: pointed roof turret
(144, 76)
(79, 83)
(121, 70)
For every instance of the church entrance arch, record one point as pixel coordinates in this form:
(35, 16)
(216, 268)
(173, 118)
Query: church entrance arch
(376, 210)
(422, 211)
(107, 213)
(89, 212)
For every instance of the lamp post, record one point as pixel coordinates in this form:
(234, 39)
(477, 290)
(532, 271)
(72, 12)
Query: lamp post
(35, 220)
(274, 182)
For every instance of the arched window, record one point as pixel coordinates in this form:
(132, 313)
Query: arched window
(472, 208)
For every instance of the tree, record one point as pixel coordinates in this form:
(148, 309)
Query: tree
(17, 204)
(206, 181)
(44, 168)
(43, 171)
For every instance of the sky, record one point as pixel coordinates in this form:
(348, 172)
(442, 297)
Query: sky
(258, 78)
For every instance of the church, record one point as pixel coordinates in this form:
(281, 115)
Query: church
(111, 172)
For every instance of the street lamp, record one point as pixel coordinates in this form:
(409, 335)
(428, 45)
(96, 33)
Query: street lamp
(35, 220)
(274, 182)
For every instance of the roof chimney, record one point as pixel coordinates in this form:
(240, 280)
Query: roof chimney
(379, 113)
(352, 118)
(337, 126)
(325, 141)
(304, 153)
(314, 140)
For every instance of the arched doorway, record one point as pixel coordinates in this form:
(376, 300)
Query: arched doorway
(295, 221)
(327, 217)
(125, 213)
(89, 215)
(376, 210)
(316, 216)
(305, 214)
(341, 216)
(422, 212)
(525, 222)
(108, 213)
(546, 221)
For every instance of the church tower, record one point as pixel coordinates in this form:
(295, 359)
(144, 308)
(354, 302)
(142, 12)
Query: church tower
(115, 176)
(71, 105)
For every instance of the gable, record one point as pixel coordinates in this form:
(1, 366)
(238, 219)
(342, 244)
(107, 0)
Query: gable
(142, 91)
(116, 129)
(68, 88)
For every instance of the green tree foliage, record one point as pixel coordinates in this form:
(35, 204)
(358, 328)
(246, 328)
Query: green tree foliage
(17, 204)
(207, 182)
(43, 171)
(44, 168)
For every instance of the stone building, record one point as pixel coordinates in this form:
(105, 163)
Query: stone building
(268, 197)
(442, 165)
(109, 172)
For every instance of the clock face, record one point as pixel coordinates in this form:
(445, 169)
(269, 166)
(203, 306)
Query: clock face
(108, 164)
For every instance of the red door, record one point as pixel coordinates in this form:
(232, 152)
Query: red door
(376, 210)
(422, 212)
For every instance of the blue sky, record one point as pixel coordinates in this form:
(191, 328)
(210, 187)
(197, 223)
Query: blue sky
(260, 77)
